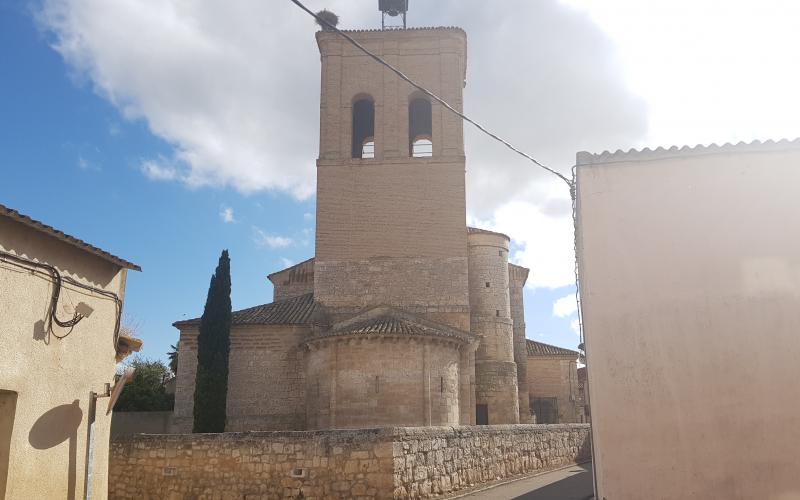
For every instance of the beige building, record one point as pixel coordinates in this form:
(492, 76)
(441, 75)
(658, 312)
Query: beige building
(690, 284)
(60, 306)
(405, 316)
(553, 383)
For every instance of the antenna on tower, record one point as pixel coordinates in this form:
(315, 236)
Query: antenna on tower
(392, 8)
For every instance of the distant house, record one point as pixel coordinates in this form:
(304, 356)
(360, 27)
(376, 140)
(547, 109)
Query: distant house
(583, 394)
(553, 383)
(60, 305)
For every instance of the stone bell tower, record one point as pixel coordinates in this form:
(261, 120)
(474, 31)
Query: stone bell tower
(391, 220)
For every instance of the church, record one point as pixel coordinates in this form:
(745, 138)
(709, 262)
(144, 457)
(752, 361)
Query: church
(404, 316)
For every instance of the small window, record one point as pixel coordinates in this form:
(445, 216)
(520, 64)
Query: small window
(441, 389)
(368, 149)
(422, 148)
(487, 284)
(497, 312)
(481, 414)
(363, 128)
(420, 128)
(377, 384)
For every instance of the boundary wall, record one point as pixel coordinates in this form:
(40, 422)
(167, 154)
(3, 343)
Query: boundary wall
(401, 462)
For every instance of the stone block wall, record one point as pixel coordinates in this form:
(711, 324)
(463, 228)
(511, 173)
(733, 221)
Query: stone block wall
(411, 462)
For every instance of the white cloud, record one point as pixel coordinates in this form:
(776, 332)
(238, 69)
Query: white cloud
(264, 239)
(286, 262)
(158, 171)
(575, 326)
(542, 234)
(565, 306)
(308, 216)
(226, 214)
(234, 88)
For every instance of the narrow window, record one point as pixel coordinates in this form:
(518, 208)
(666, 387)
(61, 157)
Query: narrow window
(497, 312)
(441, 389)
(377, 384)
(363, 129)
(420, 128)
(481, 414)
(487, 284)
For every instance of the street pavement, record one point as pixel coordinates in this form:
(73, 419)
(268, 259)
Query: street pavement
(570, 483)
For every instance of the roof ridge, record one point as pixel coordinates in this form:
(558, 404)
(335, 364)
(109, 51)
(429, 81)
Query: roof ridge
(534, 347)
(587, 158)
(66, 238)
(293, 310)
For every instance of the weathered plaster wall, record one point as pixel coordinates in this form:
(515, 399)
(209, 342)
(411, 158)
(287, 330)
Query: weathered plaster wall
(341, 464)
(355, 382)
(266, 378)
(52, 377)
(555, 377)
(690, 285)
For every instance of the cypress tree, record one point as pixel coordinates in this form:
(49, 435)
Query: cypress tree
(213, 345)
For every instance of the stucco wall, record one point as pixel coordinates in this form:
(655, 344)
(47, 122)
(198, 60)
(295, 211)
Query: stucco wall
(266, 379)
(340, 464)
(382, 381)
(690, 284)
(555, 377)
(52, 377)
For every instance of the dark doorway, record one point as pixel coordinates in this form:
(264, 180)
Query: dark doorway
(8, 406)
(546, 410)
(482, 415)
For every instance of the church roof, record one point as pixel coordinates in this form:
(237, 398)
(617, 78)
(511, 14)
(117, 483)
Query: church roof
(384, 320)
(293, 311)
(541, 349)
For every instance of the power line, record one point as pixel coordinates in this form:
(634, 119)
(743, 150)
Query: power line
(433, 96)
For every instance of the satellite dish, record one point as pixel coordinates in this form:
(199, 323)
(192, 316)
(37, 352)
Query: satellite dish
(126, 377)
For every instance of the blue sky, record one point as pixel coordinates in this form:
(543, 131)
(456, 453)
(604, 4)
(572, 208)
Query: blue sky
(73, 159)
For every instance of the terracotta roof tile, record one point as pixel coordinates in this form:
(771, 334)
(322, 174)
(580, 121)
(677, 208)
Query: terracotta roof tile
(392, 322)
(40, 226)
(542, 349)
(293, 311)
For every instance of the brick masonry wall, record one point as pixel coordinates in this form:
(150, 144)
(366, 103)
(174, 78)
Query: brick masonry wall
(421, 462)
(555, 377)
(517, 276)
(490, 318)
(266, 379)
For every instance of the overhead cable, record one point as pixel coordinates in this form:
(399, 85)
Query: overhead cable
(324, 23)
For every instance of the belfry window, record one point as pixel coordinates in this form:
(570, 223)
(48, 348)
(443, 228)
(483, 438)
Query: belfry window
(420, 128)
(363, 129)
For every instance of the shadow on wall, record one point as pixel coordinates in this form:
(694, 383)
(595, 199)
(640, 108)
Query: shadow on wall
(576, 487)
(53, 428)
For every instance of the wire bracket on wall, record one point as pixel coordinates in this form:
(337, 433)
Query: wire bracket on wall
(81, 311)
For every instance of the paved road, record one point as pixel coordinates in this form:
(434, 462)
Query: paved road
(571, 483)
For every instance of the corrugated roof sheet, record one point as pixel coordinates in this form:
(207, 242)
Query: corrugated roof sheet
(50, 230)
(293, 311)
(542, 349)
(586, 158)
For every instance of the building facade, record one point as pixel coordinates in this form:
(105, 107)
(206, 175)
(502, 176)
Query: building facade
(60, 305)
(404, 316)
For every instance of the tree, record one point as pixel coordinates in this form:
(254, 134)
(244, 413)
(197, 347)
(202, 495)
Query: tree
(146, 392)
(173, 357)
(213, 345)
